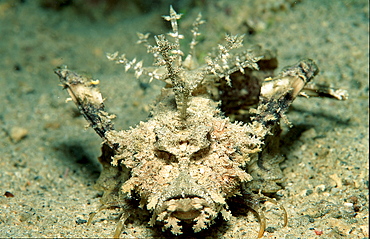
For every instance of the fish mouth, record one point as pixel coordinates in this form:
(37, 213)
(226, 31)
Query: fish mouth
(190, 209)
(186, 201)
(187, 208)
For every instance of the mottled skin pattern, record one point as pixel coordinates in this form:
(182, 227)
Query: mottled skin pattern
(189, 160)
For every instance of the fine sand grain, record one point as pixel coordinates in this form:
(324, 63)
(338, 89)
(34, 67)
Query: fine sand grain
(48, 161)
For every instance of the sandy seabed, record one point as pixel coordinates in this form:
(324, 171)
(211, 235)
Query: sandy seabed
(48, 162)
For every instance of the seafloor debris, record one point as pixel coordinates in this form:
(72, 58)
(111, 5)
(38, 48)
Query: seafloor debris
(189, 160)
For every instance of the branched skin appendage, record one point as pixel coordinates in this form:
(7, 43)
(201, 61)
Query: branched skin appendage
(189, 160)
